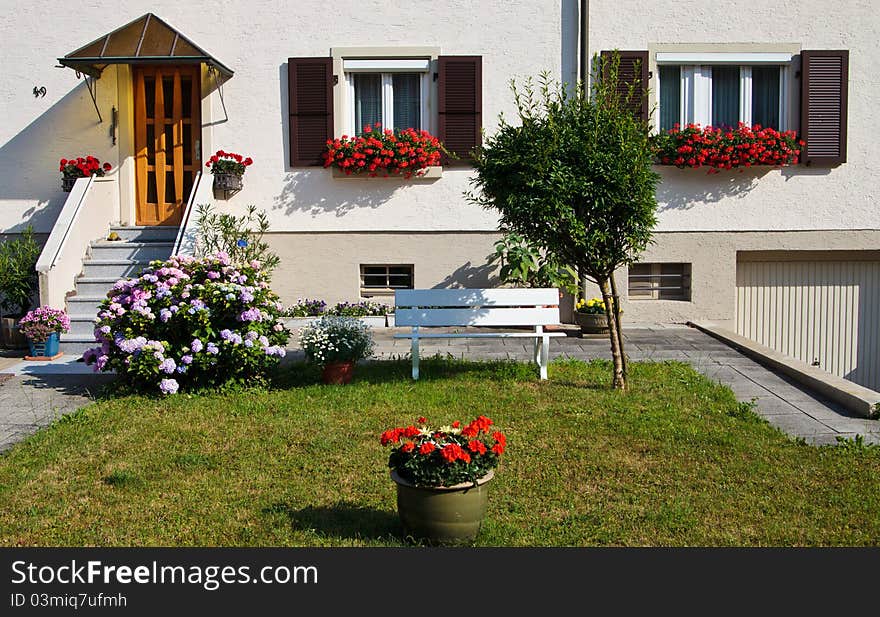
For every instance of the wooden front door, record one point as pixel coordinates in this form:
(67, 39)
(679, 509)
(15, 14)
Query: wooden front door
(167, 131)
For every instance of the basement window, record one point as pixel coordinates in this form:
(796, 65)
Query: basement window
(383, 280)
(660, 281)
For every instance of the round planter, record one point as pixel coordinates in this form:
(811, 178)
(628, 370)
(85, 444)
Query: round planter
(338, 373)
(442, 514)
(67, 183)
(591, 323)
(12, 336)
(47, 348)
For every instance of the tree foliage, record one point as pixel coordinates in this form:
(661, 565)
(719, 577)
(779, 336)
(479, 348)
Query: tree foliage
(574, 176)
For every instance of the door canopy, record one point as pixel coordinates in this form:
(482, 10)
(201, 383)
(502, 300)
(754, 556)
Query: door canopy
(146, 40)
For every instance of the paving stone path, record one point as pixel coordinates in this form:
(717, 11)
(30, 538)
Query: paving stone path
(37, 393)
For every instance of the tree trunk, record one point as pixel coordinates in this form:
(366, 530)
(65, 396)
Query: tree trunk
(619, 328)
(619, 381)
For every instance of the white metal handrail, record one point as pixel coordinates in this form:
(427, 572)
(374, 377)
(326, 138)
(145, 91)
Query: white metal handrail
(184, 222)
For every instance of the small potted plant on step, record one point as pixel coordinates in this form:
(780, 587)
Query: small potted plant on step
(80, 167)
(442, 477)
(336, 344)
(228, 169)
(590, 316)
(42, 327)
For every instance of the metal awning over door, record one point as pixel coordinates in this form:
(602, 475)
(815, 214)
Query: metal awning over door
(146, 40)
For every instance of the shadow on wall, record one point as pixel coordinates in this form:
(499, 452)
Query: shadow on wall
(682, 189)
(313, 189)
(470, 276)
(29, 161)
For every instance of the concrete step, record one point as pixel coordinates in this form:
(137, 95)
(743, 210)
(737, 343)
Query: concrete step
(139, 251)
(82, 324)
(83, 305)
(94, 287)
(120, 268)
(76, 344)
(146, 233)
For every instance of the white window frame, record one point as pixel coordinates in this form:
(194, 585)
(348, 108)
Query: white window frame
(386, 68)
(696, 84)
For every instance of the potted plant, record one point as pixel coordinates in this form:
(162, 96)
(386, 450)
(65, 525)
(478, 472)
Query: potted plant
(42, 326)
(18, 284)
(371, 313)
(336, 344)
(442, 477)
(80, 167)
(228, 168)
(306, 311)
(590, 316)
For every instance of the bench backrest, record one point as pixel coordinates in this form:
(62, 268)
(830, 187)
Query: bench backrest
(476, 307)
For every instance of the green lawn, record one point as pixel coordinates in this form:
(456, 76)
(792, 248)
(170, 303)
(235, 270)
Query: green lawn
(675, 461)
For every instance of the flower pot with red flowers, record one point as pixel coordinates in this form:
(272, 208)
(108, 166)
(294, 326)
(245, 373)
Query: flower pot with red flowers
(336, 343)
(726, 148)
(73, 169)
(442, 477)
(405, 153)
(42, 327)
(228, 169)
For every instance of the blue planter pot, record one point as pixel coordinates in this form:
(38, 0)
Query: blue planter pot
(47, 348)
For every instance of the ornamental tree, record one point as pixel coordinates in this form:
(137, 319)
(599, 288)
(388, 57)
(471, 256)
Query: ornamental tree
(574, 177)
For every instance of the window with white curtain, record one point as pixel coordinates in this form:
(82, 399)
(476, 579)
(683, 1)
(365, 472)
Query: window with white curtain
(390, 92)
(722, 94)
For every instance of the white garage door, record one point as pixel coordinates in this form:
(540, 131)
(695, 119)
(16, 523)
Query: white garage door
(823, 309)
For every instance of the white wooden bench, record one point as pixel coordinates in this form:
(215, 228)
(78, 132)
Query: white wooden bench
(496, 308)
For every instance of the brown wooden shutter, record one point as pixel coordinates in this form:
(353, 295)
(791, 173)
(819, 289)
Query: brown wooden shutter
(824, 76)
(310, 96)
(633, 66)
(460, 90)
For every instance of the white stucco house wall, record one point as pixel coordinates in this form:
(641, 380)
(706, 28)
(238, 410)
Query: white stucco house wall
(788, 257)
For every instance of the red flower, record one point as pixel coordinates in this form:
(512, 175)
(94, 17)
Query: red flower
(410, 431)
(426, 448)
(456, 424)
(498, 449)
(408, 446)
(106, 166)
(452, 452)
(477, 446)
(422, 420)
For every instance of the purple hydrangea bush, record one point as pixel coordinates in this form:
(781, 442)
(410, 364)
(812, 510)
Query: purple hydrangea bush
(190, 323)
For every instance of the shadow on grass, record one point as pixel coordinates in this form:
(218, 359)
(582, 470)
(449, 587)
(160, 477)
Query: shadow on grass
(437, 368)
(342, 520)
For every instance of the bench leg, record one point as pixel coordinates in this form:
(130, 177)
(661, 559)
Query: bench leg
(545, 355)
(537, 352)
(415, 357)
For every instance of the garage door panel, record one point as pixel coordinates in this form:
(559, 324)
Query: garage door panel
(824, 311)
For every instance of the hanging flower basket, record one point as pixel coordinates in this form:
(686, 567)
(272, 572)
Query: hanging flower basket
(80, 167)
(228, 168)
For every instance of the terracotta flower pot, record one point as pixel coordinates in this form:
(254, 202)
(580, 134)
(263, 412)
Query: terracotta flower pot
(442, 514)
(591, 323)
(338, 373)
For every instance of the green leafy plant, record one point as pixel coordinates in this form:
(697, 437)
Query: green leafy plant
(523, 265)
(228, 163)
(575, 178)
(240, 237)
(447, 455)
(365, 308)
(18, 274)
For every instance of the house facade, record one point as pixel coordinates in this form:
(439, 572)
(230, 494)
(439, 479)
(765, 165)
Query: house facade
(787, 257)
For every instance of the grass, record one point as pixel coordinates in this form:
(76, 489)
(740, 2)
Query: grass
(675, 461)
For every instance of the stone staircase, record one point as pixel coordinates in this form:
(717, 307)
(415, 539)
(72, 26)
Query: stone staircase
(107, 262)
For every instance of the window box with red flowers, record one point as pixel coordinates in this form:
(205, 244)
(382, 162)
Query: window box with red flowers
(375, 153)
(228, 169)
(442, 477)
(720, 149)
(73, 169)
